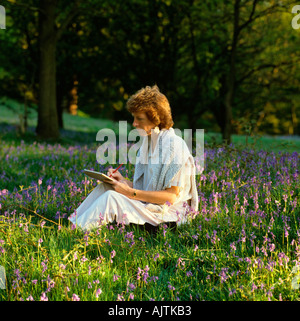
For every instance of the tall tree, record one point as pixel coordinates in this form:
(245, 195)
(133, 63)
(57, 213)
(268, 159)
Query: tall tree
(47, 126)
(226, 43)
(231, 76)
(49, 35)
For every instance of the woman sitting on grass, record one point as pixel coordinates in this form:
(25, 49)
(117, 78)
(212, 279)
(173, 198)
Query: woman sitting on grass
(163, 188)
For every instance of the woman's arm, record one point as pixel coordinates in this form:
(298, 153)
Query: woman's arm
(157, 197)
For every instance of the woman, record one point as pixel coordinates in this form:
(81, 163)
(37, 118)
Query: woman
(163, 187)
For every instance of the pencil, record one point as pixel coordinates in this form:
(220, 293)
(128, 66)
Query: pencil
(116, 169)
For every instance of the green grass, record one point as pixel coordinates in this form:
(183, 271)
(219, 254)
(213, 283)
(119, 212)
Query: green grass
(10, 111)
(258, 142)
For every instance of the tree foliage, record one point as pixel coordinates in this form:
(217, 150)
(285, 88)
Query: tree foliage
(221, 63)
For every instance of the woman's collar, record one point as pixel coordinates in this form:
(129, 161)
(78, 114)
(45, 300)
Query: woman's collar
(152, 139)
(156, 134)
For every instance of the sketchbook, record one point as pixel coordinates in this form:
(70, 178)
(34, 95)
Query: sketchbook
(100, 176)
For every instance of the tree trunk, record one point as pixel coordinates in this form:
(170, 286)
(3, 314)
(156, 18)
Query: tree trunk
(59, 105)
(231, 77)
(47, 127)
(293, 130)
(226, 133)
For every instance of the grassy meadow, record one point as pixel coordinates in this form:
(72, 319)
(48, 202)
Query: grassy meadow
(243, 244)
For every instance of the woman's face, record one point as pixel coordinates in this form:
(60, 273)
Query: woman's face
(141, 121)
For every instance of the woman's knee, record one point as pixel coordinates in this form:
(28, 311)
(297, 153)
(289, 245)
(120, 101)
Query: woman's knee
(111, 194)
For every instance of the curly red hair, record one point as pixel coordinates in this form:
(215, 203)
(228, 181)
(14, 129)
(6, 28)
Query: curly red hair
(155, 104)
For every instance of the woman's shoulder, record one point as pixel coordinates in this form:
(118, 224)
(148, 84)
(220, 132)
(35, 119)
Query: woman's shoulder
(170, 137)
(174, 147)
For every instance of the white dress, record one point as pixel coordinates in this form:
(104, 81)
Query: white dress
(104, 205)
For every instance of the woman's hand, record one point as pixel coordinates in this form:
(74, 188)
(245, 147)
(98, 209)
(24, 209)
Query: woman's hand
(121, 187)
(117, 175)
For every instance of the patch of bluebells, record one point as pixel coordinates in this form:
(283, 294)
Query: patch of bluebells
(129, 238)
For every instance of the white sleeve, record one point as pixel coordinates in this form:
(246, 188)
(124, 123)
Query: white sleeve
(182, 178)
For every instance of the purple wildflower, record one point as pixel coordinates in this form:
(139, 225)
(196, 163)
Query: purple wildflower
(75, 297)
(171, 287)
(98, 292)
(44, 297)
(116, 277)
(156, 257)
